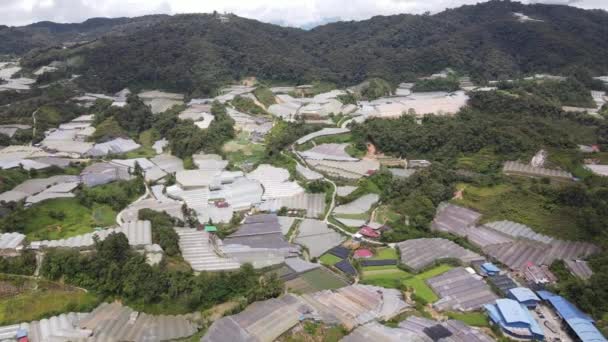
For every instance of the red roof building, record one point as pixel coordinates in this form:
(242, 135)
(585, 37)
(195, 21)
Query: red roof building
(368, 232)
(363, 254)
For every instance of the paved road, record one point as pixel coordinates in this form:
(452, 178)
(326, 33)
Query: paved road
(119, 220)
(332, 205)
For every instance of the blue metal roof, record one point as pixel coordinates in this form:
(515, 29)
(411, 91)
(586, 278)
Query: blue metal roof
(523, 294)
(490, 267)
(508, 313)
(511, 311)
(579, 322)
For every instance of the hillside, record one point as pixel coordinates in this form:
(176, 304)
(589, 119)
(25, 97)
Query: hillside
(45, 34)
(196, 53)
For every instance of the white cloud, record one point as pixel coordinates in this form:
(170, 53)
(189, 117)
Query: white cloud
(290, 12)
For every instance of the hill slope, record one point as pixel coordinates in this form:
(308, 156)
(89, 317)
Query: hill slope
(196, 53)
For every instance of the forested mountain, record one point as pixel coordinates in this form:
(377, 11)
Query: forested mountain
(44, 34)
(196, 53)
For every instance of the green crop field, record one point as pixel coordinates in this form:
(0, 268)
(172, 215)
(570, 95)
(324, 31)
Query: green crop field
(42, 223)
(476, 319)
(513, 201)
(46, 300)
(329, 259)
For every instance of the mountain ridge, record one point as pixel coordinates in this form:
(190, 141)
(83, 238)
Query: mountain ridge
(197, 53)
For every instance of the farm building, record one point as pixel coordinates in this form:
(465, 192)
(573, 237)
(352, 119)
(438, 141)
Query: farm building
(358, 206)
(160, 101)
(275, 182)
(11, 243)
(521, 251)
(31, 188)
(104, 173)
(490, 269)
(524, 296)
(440, 103)
(168, 163)
(579, 324)
(350, 306)
(62, 190)
(259, 241)
(11, 129)
(514, 319)
(335, 152)
(307, 173)
(448, 331)
(420, 253)
(317, 237)
(198, 250)
(345, 169)
(369, 233)
(579, 268)
(454, 219)
(304, 277)
(260, 321)
(460, 291)
(503, 283)
(363, 254)
(346, 267)
(539, 275)
(377, 332)
(116, 146)
(313, 204)
(108, 322)
(139, 234)
(513, 168)
(346, 190)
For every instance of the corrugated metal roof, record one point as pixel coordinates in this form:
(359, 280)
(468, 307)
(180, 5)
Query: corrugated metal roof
(275, 182)
(11, 240)
(320, 133)
(139, 233)
(523, 294)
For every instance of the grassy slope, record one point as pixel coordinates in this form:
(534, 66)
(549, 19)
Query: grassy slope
(48, 300)
(78, 219)
(512, 201)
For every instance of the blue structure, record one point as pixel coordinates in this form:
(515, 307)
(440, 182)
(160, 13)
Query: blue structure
(579, 324)
(525, 296)
(490, 269)
(514, 320)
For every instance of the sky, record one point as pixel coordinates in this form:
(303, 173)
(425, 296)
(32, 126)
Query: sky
(298, 13)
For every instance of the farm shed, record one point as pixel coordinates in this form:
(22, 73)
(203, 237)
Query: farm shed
(420, 253)
(579, 268)
(317, 237)
(313, 204)
(459, 290)
(579, 324)
(458, 331)
(454, 219)
(321, 133)
(358, 206)
(345, 169)
(328, 152)
(503, 283)
(116, 146)
(275, 182)
(377, 332)
(513, 168)
(514, 319)
(115, 322)
(261, 321)
(355, 305)
(307, 173)
(11, 243)
(139, 234)
(524, 296)
(198, 250)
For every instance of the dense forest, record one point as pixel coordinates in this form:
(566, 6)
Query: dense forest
(197, 53)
